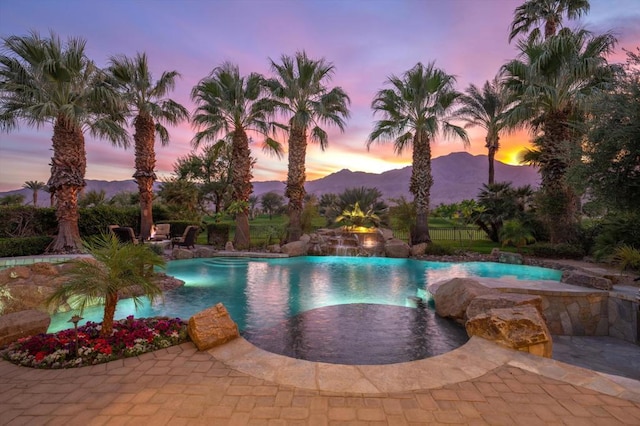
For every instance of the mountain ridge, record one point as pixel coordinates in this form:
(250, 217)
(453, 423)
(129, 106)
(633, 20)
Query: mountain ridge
(457, 176)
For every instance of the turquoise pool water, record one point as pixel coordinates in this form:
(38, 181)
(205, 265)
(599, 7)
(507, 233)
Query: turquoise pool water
(262, 293)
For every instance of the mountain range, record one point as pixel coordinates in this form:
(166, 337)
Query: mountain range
(456, 177)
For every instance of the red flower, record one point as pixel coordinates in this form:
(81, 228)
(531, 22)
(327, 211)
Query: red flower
(40, 356)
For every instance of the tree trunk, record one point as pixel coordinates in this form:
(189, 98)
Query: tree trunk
(420, 186)
(145, 176)
(35, 198)
(492, 145)
(68, 167)
(296, 176)
(242, 187)
(110, 303)
(559, 202)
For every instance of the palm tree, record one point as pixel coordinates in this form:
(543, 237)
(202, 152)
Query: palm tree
(552, 81)
(301, 86)
(35, 186)
(149, 108)
(415, 110)
(232, 105)
(515, 233)
(486, 108)
(548, 12)
(114, 268)
(43, 81)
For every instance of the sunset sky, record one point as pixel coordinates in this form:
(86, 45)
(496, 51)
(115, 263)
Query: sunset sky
(366, 40)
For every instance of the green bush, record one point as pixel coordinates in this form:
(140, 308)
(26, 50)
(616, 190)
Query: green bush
(218, 234)
(27, 221)
(615, 230)
(557, 251)
(96, 220)
(27, 246)
(439, 250)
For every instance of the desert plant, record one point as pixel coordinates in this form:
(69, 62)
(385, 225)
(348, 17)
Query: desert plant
(626, 257)
(114, 268)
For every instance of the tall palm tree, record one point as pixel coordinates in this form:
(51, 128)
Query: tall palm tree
(486, 108)
(415, 110)
(232, 105)
(553, 80)
(35, 186)
(300, 84)
(149, 108)
(43, 81)
(549, 13)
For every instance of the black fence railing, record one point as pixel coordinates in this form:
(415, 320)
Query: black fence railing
(451, 234)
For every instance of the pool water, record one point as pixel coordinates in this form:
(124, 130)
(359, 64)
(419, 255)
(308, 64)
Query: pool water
(297, 306)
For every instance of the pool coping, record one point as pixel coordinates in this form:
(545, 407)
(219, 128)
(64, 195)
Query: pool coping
(474, 359)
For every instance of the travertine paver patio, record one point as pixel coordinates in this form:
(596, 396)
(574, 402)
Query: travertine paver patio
(180, 385)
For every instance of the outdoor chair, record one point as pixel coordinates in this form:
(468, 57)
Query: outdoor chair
(163, 232)
(125, 234)
(188, 239)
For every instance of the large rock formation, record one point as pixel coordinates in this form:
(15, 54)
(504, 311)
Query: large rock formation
(484, 303)
(396, 248)
(454, 296)
(212, 327)
(21, 324)
(295, 248)
(521, 328)
(584, 279)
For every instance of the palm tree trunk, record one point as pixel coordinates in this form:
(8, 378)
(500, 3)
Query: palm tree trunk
(492, 146)
(420, 187)
(242, 187)
(68, 167)
(145, 176)
(295, 191)
(110, 303)
(559, 201)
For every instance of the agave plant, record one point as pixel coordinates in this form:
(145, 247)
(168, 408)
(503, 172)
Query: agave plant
(355, 217)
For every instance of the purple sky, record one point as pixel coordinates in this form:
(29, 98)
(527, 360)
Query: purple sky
(366, 40)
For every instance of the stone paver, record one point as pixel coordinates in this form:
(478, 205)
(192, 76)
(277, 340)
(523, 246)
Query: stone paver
(181, 386)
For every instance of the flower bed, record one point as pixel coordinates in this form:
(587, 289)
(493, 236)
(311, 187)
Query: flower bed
(130, 337)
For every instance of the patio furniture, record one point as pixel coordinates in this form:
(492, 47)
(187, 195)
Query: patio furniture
(188, 239)
(125, 234)
(163, 232)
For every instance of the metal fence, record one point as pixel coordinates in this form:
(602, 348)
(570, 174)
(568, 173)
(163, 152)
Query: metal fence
(450, 234)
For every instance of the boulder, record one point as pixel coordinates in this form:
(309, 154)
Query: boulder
(179, 253)
(205, 252)
(486, 302)
(21, 324)
(274, 248)
(387, 234)
(586, 280)
(521, 328)
(229, 246)
(212, 327)
(453, 297)
(295, 248)
(419, 249)
(511, 258)
(396, 248)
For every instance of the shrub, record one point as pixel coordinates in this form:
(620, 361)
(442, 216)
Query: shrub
(557, 251)
(27, 221)
(27, 246)
(438, 250)
(218, 234)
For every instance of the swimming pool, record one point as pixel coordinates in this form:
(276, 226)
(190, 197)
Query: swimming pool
(279, 302)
